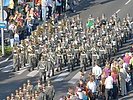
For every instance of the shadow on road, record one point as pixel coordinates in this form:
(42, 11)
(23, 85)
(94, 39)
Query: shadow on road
(6, 76)
(106, 1)
(10, 87)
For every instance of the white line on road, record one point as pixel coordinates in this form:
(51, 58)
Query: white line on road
(61, 76)
(75, 78)
(128, 2)
(118, 11)
(20, 72)
(5, 59)
(6, 71)
(7, 66)
(33, 73)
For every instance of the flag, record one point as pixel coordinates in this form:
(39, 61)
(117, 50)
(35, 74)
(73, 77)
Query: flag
(90, 23)
(6, 2)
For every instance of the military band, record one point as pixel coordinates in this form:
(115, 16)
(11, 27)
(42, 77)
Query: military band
(69, 43)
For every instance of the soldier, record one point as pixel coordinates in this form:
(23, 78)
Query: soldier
(22, 54)
(70, 59)
(51, 59)
(50, 91)
(83, 58)
(42, 69)
(76, 55)
(16, 59)
(59, 60)
(31, 59)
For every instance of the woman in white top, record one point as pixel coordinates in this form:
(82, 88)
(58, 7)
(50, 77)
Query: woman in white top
(91, 85)
(80, 93)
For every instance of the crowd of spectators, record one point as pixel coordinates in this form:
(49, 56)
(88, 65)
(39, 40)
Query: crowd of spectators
(22, 20)
(104, 83)
(23, 17)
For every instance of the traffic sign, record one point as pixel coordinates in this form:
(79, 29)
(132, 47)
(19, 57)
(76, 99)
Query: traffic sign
(4, 14)
(2, 24)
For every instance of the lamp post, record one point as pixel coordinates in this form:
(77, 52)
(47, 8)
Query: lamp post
(2, 29)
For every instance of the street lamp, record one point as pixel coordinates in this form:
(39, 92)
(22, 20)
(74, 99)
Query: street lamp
(2, 29)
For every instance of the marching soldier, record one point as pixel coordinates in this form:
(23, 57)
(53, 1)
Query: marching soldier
(16, 59)
(31, 59)
(83, 58)
(42, 69)
(70, 59)
(22, 54)
(59, 60)
(50, 91)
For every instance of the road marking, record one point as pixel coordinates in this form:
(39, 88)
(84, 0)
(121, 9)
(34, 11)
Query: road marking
(33, 73)
(118, 11)
(128, 2)
(61, 76)
(75, 78)
(5, 59)
(6, 71)
(7, 68)
(20, 72)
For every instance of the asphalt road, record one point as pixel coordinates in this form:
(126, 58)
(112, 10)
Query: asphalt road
(10, 81)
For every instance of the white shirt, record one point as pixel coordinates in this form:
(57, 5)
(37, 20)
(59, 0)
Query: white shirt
(49, 3)
(125, 66)
(80, 94)
(109, 82)
(44, 3)
(92, 86)
(97, 71)
(58, 3)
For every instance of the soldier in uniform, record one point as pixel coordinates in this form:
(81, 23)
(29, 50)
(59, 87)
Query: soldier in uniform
(22, 54)
(31, 59)
(83, 58)
(42, 69)
(16, 59)
(50, 91)
(51, 56)
(70, 59)
(59, 60)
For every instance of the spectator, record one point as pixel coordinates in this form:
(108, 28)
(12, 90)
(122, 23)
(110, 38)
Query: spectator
(80, 93)
(16, 39)
(97, 71)
(58, 7)
(108, 86)
(127, 58)
(49, 5)
(114, 75)
(107, 70)
(131, 68)
(92, 86)
(123, 77)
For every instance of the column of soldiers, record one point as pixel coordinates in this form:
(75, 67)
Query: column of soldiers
(55, 45)
(41, 91)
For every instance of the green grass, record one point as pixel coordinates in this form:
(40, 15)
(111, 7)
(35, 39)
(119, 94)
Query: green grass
(8, 50)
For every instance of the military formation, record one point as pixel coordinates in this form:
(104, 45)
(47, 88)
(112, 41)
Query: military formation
(55, 45)
(28, 91)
